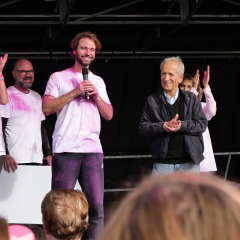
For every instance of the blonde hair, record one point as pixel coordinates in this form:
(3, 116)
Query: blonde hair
(179, 207)
(4, 234)
(65, 213)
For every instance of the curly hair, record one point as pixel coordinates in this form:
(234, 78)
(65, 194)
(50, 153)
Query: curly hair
(87, 34)
(65, 213)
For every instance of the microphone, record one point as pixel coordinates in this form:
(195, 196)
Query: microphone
(85, 77)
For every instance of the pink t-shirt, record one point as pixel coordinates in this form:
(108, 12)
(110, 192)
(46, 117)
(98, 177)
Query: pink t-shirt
(23, 130)
(77, 127)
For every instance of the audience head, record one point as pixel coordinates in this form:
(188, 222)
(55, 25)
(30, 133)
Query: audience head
(23, 73)
(180, 207)
(38, 232)
(187, 84)
(4, 235)
(65, 214)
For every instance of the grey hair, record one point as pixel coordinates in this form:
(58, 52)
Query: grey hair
(181, 67)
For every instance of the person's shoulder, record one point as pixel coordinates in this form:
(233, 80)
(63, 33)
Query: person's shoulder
(154, 99)
(35, 94)
(62, 73)
(11, 89)
(95, 77)
(157, 94)
(188, 94)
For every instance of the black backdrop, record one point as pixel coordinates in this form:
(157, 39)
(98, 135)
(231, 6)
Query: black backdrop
(128, 85)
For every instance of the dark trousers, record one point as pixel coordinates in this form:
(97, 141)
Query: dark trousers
(88, 169)
(2, 162)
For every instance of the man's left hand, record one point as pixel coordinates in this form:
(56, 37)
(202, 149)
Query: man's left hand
(173, 125)
(93, 92)
(49, 160)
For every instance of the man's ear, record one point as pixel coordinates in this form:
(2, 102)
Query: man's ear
(74, 53)
(44, 227)
(14, 73)
(180, 78)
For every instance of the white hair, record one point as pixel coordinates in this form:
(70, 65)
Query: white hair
(181, 67)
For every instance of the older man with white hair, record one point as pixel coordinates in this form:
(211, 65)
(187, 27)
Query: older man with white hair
(174, 121)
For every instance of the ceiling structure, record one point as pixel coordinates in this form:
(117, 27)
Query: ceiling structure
(143, 29)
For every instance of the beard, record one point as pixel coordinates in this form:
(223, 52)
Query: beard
(80, 61)
(25, 85)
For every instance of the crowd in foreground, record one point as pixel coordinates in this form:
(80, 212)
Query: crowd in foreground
(181, 206)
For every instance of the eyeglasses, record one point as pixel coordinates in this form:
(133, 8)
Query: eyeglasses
(24, 73)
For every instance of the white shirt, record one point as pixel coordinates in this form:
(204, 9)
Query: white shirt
(77, 127)
(23, 130)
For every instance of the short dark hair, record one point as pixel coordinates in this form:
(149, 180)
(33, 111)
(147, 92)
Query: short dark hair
(38, 232)
(87, 34)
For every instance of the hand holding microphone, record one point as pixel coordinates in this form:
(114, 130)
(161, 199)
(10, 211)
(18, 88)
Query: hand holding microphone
(85, 77)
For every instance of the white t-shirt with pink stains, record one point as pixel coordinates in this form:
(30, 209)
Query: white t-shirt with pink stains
(78, 124)
(23, 130)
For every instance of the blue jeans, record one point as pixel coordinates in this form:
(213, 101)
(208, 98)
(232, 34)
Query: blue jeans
(160, 168)
(88, 169)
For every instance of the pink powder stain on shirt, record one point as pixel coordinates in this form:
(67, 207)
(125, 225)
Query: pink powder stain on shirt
(35, 148)
(19, 103)
(73, 82)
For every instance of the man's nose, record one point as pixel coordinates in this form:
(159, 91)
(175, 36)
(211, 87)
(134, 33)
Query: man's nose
(28, 73)
(167, 77)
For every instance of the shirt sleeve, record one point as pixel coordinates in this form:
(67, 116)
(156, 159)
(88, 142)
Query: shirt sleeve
(52, 88)
(210, 108)
(43, 117)
(102, 91)
(6, 110)
(193, 90)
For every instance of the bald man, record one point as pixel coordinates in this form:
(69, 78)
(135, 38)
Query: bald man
(23, 130)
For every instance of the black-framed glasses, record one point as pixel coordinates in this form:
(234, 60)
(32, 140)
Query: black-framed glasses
(24, 73)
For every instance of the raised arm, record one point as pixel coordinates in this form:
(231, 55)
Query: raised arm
(210, 108)
(3, 91)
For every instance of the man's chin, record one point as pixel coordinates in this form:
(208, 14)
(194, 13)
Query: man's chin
(83, 63)
(26, 85)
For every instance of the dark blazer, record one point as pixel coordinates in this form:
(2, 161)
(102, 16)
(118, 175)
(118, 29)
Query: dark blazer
(155, 114)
